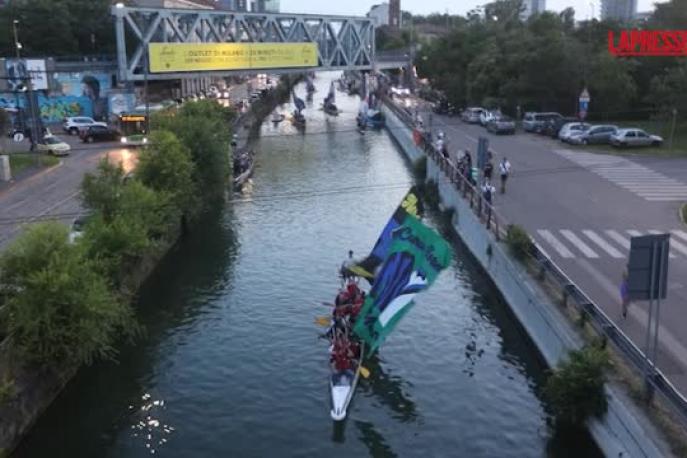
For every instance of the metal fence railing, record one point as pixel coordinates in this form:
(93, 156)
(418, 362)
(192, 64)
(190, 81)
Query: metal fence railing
(548, 270)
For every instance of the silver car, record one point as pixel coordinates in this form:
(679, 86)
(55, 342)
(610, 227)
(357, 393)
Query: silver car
(634, 137)
(472, 115)
(572, 129)
(595, 135)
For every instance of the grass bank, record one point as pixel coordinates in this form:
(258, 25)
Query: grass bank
(20, 162)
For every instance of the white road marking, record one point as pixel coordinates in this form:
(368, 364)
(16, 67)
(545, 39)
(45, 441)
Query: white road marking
(575, 240)
(681, 234)
(603, 244)
(622, 241)
(555, 243)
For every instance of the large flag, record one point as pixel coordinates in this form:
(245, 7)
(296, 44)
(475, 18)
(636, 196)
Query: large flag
(410, 205)
(416, 256)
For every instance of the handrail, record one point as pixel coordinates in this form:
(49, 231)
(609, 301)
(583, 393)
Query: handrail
(602, 324)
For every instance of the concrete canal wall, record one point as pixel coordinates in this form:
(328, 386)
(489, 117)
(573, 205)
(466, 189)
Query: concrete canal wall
(624, 431)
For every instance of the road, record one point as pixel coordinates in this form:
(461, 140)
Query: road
(54, 193)
(582, 208)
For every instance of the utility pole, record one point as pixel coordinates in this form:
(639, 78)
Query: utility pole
(36, 127)
(145, 91)
(672, 130)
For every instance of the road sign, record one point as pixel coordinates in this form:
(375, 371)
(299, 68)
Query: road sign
(648, 267)
(482, 148)
(18, 137)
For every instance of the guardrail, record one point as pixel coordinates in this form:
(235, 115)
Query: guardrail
(549, 270)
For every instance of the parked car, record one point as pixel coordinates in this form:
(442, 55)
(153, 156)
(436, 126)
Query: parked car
(501, 125)
(53, 145)
(100, 134)
(552, 127)
(634, 137)
(471, 115)
(571, 129)
(74, 125)
(486, 116)
(535, 122)
(594, 135)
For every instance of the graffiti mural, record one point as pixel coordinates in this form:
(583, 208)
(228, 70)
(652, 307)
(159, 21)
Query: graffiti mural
(52, 109)
(93, 86)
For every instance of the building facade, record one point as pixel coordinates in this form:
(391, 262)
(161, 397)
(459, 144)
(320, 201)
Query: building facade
(531, 7)
(386, 14)
(620, 10)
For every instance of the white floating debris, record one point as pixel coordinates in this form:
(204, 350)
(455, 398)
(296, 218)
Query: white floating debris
(156, 403)
(154, 423)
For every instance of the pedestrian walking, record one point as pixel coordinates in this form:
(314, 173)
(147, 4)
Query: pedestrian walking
(624, 294)
(488, 193)
(504, 170)
(488, 170)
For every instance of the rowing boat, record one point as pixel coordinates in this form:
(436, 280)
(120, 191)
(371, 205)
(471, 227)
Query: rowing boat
(342, 386)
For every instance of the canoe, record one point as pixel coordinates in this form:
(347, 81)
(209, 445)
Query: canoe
(342, 387)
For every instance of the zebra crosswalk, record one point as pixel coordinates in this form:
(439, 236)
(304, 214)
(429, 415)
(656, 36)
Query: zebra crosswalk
(594, 244)
(636, 178)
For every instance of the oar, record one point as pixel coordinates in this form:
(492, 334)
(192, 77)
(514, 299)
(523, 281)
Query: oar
(364, 371)
(328, 304)
(323, 321)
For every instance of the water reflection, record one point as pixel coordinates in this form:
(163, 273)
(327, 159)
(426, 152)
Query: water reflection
(374, 440)
(389, 390)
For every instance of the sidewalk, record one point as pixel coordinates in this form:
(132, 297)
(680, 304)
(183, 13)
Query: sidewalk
(582, 209)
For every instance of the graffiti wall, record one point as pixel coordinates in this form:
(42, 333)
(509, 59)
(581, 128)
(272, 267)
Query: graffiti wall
(52, 109)
(93, 86)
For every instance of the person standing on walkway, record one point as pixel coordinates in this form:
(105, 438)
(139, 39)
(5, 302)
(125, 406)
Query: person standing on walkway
(488, 170)
(504, 170)
(624, 294)
(487, 194)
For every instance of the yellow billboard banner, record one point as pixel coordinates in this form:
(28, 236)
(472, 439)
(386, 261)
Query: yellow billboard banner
(195, 57)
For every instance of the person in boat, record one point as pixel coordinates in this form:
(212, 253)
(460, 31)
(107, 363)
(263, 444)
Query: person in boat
(346, 265)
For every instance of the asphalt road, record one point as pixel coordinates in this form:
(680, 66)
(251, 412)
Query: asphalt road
(582, 208)
(54, 193)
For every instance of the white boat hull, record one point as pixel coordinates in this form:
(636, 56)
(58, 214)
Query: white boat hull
(342, 387)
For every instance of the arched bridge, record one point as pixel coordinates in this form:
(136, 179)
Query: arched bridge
(343, 42)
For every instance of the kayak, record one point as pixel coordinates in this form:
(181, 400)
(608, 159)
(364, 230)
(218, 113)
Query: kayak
(342, 386)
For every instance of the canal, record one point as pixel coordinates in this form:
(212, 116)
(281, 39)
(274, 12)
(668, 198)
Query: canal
(231, 365)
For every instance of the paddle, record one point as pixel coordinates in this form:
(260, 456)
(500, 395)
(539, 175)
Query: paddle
(364, 371)
(323, 321)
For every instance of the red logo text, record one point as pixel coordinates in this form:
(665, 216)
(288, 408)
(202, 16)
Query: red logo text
(648, 43)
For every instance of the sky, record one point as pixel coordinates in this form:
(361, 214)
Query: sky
(360, 7)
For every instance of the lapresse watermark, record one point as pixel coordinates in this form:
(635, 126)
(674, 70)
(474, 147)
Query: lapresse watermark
(648, 43)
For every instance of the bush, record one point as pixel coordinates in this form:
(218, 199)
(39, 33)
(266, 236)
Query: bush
(204, 128)
(100, 192)
(61, 310)
(575, 390)
(166, 166)
(519, 241)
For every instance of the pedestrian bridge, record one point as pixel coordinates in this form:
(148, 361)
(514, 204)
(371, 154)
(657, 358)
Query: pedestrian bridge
(343, 42)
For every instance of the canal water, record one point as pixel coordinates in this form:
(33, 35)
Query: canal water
(231, 365)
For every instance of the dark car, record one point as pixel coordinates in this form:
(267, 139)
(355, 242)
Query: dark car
(501, 125)
(553, 126)
(443, 107)
(100, 134)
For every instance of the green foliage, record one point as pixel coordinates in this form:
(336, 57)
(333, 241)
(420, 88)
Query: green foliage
(61, 310)
(495, 59)
(58, 27)
(575, 390)
(519, 241)
(204, 128)
(166, 166)
(101, 191)
(8, 390)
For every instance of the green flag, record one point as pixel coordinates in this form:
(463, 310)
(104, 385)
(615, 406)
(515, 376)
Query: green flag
(416, 256)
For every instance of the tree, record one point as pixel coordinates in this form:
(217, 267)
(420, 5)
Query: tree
(74, 27)
(101, 191)
(575, 390)
(204, 128)
(61, 311)
(166, 166)
(669, 91)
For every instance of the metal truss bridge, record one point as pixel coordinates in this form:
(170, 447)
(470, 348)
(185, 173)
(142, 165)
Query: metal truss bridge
(343, 43)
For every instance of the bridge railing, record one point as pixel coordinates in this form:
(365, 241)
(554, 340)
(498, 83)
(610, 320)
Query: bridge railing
(548, 271)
